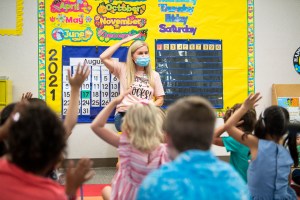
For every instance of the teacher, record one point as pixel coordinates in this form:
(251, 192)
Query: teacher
(135, 73)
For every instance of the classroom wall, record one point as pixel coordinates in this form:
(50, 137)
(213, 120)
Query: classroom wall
(276, 40)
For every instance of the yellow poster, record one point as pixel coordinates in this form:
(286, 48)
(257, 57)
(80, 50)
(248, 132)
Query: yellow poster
(102, 23)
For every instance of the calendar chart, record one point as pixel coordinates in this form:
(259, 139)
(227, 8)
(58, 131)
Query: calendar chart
(191, 67)
(97, 90)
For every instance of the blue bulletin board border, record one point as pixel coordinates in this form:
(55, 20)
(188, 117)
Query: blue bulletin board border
(69, 52)
(89, 52)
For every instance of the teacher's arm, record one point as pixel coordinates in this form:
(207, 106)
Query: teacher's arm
(106, 56)
(159, 101)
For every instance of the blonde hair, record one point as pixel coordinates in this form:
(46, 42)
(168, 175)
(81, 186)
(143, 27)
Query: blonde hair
(143, 123)
(162, 116)
(130, 65)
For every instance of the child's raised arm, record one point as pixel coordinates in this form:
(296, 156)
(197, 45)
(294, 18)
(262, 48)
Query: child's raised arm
(27, 95)
(98, 125)
(76, 81)
(230, 126)
(219, 131)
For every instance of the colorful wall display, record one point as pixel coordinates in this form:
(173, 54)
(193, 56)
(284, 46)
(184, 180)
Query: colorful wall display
(292, 105)
(101, 23)
(98, 89)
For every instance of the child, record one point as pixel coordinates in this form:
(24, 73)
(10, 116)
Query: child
(36, 141)
(139, 146)
(5, 113)
(293, 139)
(80, 75)
(195, 173)
(270, 167)
(70, 121)
(239, 153)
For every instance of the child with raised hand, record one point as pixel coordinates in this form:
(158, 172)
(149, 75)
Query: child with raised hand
(76, 81)
(36, 141)
(239, 153)
(70, 120)
(139, 146)
(268, 172)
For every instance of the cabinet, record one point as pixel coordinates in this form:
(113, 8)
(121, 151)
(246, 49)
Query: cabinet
(5, 93)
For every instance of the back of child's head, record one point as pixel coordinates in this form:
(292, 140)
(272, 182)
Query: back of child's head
(143, 125)
(249, 119)
(6, 112)
(190, 123)
(162, 116)
(36, 100)
(230, 111)
(36, 138)
(273, 122)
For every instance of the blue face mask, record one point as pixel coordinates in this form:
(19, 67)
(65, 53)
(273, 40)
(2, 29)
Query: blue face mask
(142, 61)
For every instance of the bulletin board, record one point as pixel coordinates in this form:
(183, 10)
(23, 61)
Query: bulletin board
(191, 67)
(211, 24)
(287, 96)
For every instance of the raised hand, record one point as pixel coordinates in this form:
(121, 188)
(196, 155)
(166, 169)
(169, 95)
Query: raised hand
(76, 81)
(27, 95)
(119, 98)
(251, 101)
(132, 37)
(78, 175)
(82, 72)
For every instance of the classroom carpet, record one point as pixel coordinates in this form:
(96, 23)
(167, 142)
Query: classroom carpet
(93, 192)
(90, 192)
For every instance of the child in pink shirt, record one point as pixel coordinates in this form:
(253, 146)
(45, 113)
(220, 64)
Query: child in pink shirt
(140, 146)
